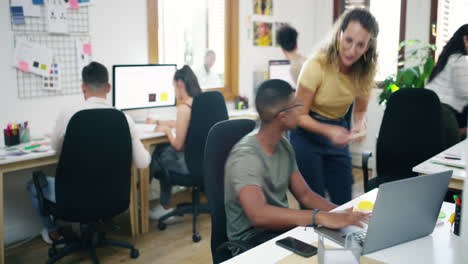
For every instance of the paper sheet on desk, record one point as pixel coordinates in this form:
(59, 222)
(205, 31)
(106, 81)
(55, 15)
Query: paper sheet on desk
(145, 128)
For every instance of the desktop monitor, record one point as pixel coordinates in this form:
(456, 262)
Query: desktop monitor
(279, 69)
(143, 86)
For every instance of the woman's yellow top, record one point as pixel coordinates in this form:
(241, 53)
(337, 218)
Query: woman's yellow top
(334, 91)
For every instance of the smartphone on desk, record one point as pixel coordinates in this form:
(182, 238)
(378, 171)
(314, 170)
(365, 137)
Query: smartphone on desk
(297, 246)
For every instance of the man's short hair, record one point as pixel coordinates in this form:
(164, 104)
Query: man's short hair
(95, 76)
(286, 37)
(272, 95)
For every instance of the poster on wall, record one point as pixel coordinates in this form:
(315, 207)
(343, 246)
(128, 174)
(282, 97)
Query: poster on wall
(276, 27)
(262, 34)
(263, 7)
(57, 19)
(32, 57)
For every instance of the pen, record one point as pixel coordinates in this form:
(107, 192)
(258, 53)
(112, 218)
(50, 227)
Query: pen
(32, 146)
(452, 158)
(447, 165)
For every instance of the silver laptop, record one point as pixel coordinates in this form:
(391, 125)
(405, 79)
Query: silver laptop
(404, 210)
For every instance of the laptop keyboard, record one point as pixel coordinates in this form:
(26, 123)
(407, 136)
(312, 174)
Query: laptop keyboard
(359, 236)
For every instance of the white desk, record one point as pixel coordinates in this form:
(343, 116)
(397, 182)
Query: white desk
(439, 247)
(459, 175)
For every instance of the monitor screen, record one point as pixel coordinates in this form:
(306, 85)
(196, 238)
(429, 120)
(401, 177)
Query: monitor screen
(279, 69)
(143, 86)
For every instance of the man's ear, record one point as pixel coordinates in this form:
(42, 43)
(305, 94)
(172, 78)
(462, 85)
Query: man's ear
(84, 88)
(282, 116)
(108, 88)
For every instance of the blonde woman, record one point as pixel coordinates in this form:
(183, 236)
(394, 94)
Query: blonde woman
(341, 73)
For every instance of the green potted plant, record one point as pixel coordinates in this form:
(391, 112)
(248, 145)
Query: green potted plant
(414, 68)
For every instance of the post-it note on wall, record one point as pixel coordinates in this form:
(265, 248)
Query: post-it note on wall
(87, 49)
(24, 66)
(74, 4)
(38, 2)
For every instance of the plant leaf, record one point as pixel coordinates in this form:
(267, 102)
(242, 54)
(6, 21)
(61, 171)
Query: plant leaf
(428, 66)
(409, 77)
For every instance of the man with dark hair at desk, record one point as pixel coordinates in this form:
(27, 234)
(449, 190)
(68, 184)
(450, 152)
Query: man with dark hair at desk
(286, 37)
(262, 167)
(95, 88)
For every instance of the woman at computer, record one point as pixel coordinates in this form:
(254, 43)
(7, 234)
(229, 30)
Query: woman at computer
(449, 80)
(340, 73)
(171, 157)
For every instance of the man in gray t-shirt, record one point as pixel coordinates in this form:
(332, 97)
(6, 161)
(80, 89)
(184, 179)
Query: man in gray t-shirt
(262, 167)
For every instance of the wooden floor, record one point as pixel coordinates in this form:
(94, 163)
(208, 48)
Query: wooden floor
(173, 245)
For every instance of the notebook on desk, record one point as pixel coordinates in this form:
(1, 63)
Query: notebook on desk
(404, 210)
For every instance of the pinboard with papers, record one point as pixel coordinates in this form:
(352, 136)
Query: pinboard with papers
(51, 46)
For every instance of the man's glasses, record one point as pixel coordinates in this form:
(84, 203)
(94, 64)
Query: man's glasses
(288, 108)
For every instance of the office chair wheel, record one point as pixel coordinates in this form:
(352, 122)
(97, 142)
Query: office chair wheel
(134, 253)
(52, 252)
(161, 225)
(196, 237)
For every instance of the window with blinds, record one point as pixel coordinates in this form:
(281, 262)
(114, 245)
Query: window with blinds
(451, 14)
(443, 25)
(189, 35)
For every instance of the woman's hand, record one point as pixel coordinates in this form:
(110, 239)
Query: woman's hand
(150, 120)
(161, 128)
(339, 136)
(359, 127)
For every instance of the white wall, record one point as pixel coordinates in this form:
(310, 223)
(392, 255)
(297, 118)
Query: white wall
(312, 19)
(119, 35)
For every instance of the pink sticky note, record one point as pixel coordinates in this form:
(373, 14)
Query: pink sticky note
(74, 4)
(24, 66)
(87, 48)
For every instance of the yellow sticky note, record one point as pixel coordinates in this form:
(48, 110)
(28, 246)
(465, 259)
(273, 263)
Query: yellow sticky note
(164, 97)
(365, 206)
(43, 66)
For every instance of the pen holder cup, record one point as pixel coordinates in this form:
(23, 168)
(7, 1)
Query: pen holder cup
(11, 137)
(351, 251)
(456, 224)
(24, 135)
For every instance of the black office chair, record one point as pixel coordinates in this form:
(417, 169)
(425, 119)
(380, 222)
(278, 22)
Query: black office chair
(92, 181)
(222, 137)
(208, 108)
(411, 132)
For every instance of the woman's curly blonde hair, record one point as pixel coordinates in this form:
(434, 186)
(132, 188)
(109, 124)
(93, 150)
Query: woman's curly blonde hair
(364, 69)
